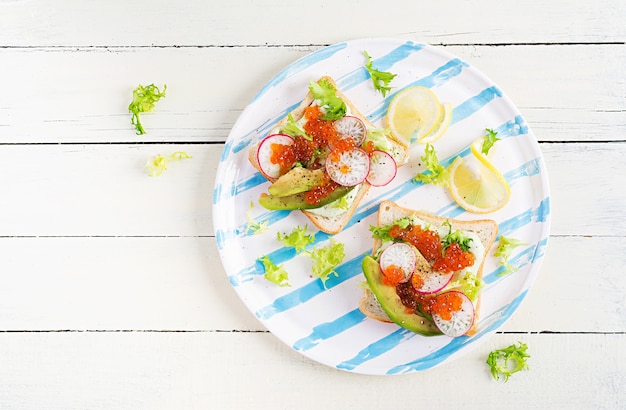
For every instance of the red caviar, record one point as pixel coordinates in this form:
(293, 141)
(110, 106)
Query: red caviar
(426, 241)
(392, 275)
(322, 131)
(446, 304)
(315, 195)
(282, 155)
(454, 259)
(417, 281)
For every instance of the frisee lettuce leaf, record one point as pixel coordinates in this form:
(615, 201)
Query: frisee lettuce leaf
(381, 79)
(273, 273)
(436, 173)
(379, 139)
(297, 238)
(325, 93)
(504, 250)
(456, 236)
(292, 129)
(326, 258)
(144, 99)
(253, 227)
(382, 232)
(342, 203)
(508, 361)
(158, 163)
(490, 139)
(469, 284)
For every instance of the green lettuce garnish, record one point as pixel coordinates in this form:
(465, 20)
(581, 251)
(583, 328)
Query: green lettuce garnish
(325, 92)
(157, 164)
(456, 236)
(508, 361)
(504, 250)
(144, 99)
(326, 258)
(292, 129)
(273, 273)
(490, 139)
(439, 174)
(379, 138)
(381, 79)
(382, 232)
(342, 203)
(253, 227)
(297, 238)
(469, 284)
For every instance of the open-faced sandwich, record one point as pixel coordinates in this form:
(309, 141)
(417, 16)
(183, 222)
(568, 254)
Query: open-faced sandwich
(425, 271)
(323, 157)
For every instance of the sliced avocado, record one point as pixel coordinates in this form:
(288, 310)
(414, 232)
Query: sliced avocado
(297, 180)
(390, 301)
(298, 201)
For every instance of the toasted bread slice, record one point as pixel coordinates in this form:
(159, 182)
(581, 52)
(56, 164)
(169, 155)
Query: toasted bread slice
(389, 212)
(334, 224)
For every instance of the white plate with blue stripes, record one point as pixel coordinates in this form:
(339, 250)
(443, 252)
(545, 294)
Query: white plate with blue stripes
(324, 322)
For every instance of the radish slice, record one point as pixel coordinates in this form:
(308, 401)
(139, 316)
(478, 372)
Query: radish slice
(461, 320)
(401, 255)
(264, 154)
(432, 281)
(352, 127)
(350, 168)
(382, 168)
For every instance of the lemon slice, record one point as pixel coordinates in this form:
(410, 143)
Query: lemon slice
(440, 127)
(477, 186)
(413, 113)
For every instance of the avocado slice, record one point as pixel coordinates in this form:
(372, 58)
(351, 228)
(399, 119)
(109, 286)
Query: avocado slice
(390, 301)
(298, 201)
(297, 180)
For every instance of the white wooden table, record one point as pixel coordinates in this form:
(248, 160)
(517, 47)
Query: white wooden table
(112, 294)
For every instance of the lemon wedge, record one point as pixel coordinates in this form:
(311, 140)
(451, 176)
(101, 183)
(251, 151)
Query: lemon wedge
(477, 186)
(413, 113)
(440, 127)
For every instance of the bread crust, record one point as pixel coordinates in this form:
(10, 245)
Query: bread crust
(389, 212)
(325, 224)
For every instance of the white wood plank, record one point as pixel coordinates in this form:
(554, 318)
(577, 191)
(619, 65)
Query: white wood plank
(117, 284)
(179, 284)
(104, 190)
(163, 23)
(82, 95)
(255, 371)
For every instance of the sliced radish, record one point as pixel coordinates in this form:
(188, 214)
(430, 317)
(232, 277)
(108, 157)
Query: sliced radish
(382, 168)
(461, 320)
(264, 154)
(348, 168)
(401, 255)
(351, 127)
(432, 281)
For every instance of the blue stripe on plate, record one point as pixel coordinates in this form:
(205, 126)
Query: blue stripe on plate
(312, 289)
(377, 348)
(383, 63)
(328, 330)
